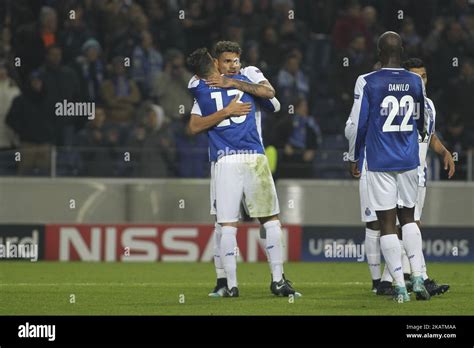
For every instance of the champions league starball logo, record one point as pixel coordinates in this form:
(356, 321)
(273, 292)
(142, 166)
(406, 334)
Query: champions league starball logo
(367, 212)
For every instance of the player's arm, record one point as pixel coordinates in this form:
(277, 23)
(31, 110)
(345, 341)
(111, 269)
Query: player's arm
(197, 123)
(270, 105)
(422, 119)
(356, 125)
(437, 146)
(263, 89)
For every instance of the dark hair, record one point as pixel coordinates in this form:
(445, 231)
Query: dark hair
(413, 63)
(226, 46)
(200, 62)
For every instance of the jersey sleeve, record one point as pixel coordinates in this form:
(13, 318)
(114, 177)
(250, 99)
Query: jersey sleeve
(356, 125)
(422, 119)
(271, 105)
(196, 110)
(253, 74)
(432, 128)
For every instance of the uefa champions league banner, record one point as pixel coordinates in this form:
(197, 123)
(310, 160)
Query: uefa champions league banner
(329, 244)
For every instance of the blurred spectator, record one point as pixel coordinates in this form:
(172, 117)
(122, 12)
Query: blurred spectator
(251, 56)
(73, 35)
(292, 35)
(33, 39)
(31, 119)
(270, 51)
(350, 22)
(192, 158)
(167, 31)
(460, 91)
(196, 26)
(90, 70)
(452, 45)
(233, 31)
(152, 145)
(251, 21)
(60, 83)
(292, 82)
(374, 28)
(171, 86)
(8, 92)
(120, 94)
(5, 43)
(147, 64)
(351, 63)
(411, 40)
(300, 136)
(96, 144)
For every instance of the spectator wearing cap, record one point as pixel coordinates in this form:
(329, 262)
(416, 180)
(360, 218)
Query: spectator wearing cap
(90, 70)
(120, 94)
(170, 88)
(147, 63)
(31, 119)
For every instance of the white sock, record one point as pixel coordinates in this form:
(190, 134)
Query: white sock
(411, 236)
(392, 254)
(228, 254)
(372, 250)
(274, 248)
(424, 273)
(263, 235)
(386, 276)
(405, 262)
(217, 251)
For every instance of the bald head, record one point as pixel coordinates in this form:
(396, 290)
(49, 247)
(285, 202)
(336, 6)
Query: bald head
(390, 47)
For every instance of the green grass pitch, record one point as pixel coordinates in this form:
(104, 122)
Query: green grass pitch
(45, 288)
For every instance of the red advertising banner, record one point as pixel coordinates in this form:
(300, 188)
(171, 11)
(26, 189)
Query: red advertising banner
(129, 243)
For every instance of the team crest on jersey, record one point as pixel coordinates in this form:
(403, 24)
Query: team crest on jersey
(367, 212)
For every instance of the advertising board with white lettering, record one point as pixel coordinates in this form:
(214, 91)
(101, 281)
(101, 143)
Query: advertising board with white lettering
(132, 243)
(331, 244)
(21, 242)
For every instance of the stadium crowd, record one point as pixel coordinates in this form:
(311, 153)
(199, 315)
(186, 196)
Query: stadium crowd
(310, 50)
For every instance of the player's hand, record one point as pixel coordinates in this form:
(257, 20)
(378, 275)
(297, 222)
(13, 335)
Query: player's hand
(354, 170)
(236, 108)
(449, 164)
(219, 81)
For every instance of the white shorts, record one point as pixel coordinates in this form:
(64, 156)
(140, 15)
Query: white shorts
(387, 190)
(420, 202)
(367, 213)
(244, 177)
(213, 189)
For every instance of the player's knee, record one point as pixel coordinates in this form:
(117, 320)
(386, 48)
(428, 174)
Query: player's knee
(373, 225)
(229, 229)
(266, 219)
